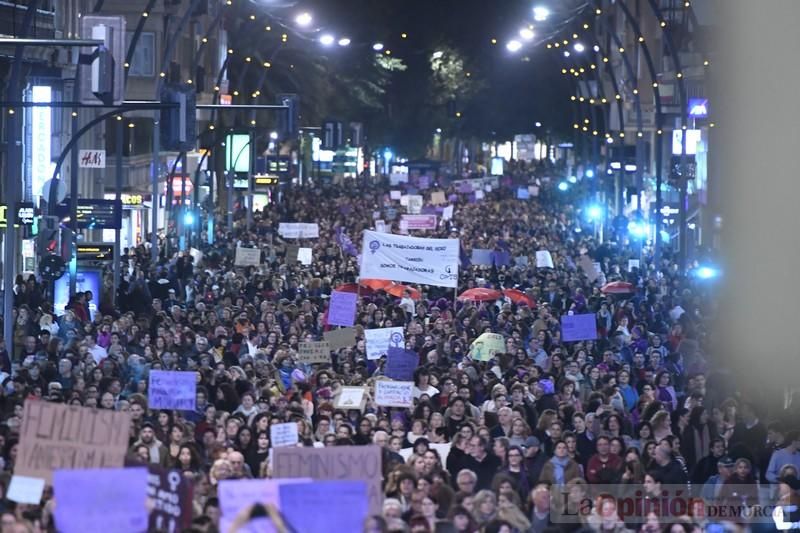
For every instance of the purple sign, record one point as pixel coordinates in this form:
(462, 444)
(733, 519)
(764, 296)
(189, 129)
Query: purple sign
(578, 327)
(400, 364)
(344, 503)
(481, 256)
(424, 182)
(501, 258)
(342, 311)
(172, 390)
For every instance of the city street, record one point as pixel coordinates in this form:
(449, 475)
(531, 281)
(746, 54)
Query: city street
(427, 267)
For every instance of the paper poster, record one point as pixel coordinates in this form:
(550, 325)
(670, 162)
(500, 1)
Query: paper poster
(479, 195)
(24, 489)
(380, 226)
(304, 255)
(283, 434)
(334, 463)
(340, 338)
(350, 398)
(238, 494)
(447, 214)
(311, 353)
(415, 202)
(101, 499)
(378, 341)
(395, 195)
(481, 257)
(438, 198)
(410, 259)
(400, 364)
(296, 230)
(578, 327)
(544, 259)
(172, 390)
(404, 200)
(342, 310)
(487, 346)
(316, 507)
(57, 436)
(394, 393)
(171, 495)
(247, 257)
(501, 258)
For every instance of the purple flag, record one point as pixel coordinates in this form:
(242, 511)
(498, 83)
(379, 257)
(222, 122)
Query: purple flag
(345, 243)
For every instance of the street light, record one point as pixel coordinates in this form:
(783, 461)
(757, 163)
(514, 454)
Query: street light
(637, 230)
(327, 40)
(344, 41)
(273, 135)
(538, 124)
(579, 47)
(563, 186)
(540, 13)
(526, 33)
(706, 272)
(377, 47)
(513, 46)
(594, 212)
(304, 19)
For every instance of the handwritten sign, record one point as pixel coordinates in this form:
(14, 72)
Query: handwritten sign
(283, 434)
(400, 364)
(312, 353)
(578, 327)
(305, 256)
(235, 495)
(334, 463)
(298, 230)
(315, 507)
(544, 259)
(350, 398)
(110, 499)
(394, 393)
(247, 257)
(378, 341)
(487, 346)
(172, 390)
(171, 495)
(342, 311)
(340, 338)
(92, 158)
(56, 436)
(438, 198)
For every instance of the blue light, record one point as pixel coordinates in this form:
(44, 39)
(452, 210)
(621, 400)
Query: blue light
(590, 173)
(665, 237)
(572, 179)
(563, 186)
(387, 155)
(706, 272)
(188, 218)
(594, 212)
(637, 230)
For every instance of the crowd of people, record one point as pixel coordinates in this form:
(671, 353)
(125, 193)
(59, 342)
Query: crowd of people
(547, 436)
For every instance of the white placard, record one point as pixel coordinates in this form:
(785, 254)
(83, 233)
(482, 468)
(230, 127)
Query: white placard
(92, 158)
(394, 393)
(380, 226)
(304, 255)
(24, 489)
(298, 230)
(632, 263)
(247, 257)
(404, 200)
(415, 202)
(378, 341)
(544, 259)
(447, 213)
(283, 434)
(533, 190)
(479, 195)
(350, 398)
(395, 195)
(410, 259)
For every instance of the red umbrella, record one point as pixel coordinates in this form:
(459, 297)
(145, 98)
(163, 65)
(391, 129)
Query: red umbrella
(375, 284)
(398, 289)
(353, 288)
(480, 294)
(618, 287)
(519, 297)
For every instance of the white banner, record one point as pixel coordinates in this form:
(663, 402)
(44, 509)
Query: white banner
(247, 257)
(394, 393)
(298, 230)
(378, 341)
(410, 259)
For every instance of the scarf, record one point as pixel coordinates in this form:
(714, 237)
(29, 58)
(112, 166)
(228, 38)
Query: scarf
(559, 466)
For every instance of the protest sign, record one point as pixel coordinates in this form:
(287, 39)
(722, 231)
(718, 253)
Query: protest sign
(404, 200)
(521, 261)
(57, 436)
(291, 253)
(24, 489)
(523, 193)
(171, 495)
(247, 257)
(340, 338)
(298, 230)
(315, 507)
(438, 198)
(479, 195)
(394, 393)
(587, 266)
(283, 434)
(400, 364)
(380, 226)
(578, 327)
(419, 222)
(342, 310)
(632, 263)
(101, 499)
(312, 353)
(395, 195)
(442, 447)
(235, 495)
(304, 255)
(350, 398)
(378, 341)
(334, 463)
(533, 190)
(415, 202)
(501, 258)
(487, 346)
(424, 182)
(481, 256)
(447, 214)
(410, 259)
(172, 390)
(544, 259)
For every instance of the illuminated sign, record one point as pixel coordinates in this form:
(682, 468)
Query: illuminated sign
(94, 214)
(280, 166)
(698, 107)
(96, 252)
(692, 139)
(265, 181)
(26, 214)
(237, 152)
(132, 201)
(178, 187)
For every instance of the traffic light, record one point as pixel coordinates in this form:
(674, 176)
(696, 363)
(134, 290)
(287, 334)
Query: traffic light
(104, 81)
(331, 135)
(179, 123)
(288, 121)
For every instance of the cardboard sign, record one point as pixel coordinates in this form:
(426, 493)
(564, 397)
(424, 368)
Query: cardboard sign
(312, 353)
(283, 434)
(305, 256)
(24, 489)
(487, 346)
(172, 390)
(340, 338)
(378, 341)
(171, 494)
(342, 310)
(578, 327)
(400, 364)
(544, 259)
(101, 499)
(57, 436)
(291, 253)
(438, 198)
(394, 393)
(350, 398)
(247, 257)
(316, 507)
(334, 463)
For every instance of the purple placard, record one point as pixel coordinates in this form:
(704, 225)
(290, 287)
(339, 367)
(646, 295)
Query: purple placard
(342, 311)
(578, 327)
(168, 389)
(481, 256)
(501, 258)
(465, 187)
(400, 364)
(424, 182)
(343, 503)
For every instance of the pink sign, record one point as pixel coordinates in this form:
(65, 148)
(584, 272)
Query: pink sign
(420, 221)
